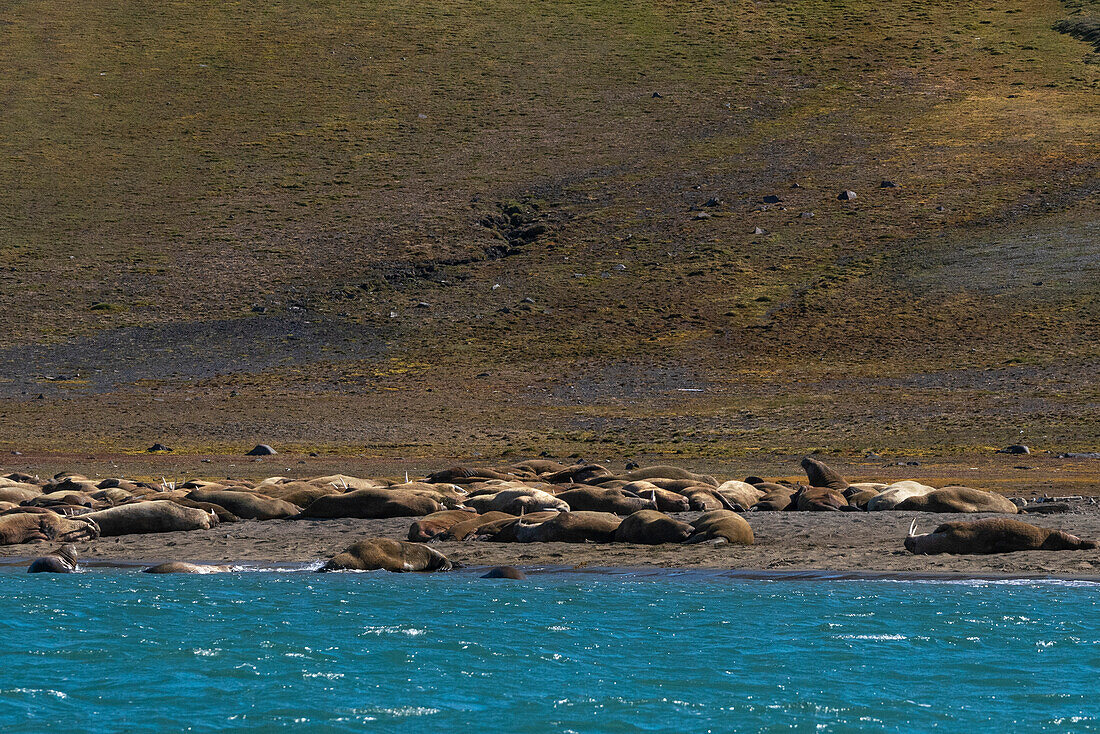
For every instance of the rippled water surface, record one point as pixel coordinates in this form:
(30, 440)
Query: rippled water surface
(116, 650)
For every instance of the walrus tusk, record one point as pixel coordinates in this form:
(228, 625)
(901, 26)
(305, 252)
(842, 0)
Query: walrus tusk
(912, 527)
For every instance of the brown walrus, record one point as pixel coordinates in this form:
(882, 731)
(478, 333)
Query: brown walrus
(466, 475)
(371, 504)
(667, 472)
(599, 499)
(183, 567)
(821, 499)
(62, 560)
(247, 505)
(505, 572)
(568, 527)
(372, 554)
(470, 528)
(152, 516)
(30, 527)
(516, 501)
(437, 523)
(721, 525)
(666, 499)
(821, 474)
(650, 527)
(959, 499)
(991, 535)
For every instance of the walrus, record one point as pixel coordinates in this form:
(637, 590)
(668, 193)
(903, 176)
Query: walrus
(705, 498)
(296, 493)
(62, 560)
(19, 493)
(223, 514)
(469, 528)
(579, 474)
(466, 475)
(776, 500)
(50, 499)
(721, 525)
(183, 567)
(515, 501)
(650, 527)
(894, 494)
(505, 572)
(30, 527)
(741, 494)
(666, 499)
(504, 531)
(568, 527)
(821, 474)
(437, 523)
(821, 499)
(668, 472)
(370, 504)
(372, 554)
(247, 505)
(598, 499)
(959, 499)
(538, 466)
(991, 535)
(151, 516)
(344, 483)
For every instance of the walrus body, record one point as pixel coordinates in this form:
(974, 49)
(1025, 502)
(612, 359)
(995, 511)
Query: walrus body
(30, 527)
(153, 516)
(741, 494)
(569, 527)
(390, 555)
(62, 560)
(896, 493)
(182, 567)
(992, 535)
(434, 525)
(599, 499)
(820, 474)
(247, 505)
(505, 572)
(959, 499)
(821, 499)
(666, 499)
(516, 501)
(721, 525)
(650, 527)
(371, 504)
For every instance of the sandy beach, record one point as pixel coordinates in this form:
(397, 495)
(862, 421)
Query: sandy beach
(785, 541)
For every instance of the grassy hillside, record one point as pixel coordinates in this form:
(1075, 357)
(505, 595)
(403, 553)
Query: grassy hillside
(444, 228)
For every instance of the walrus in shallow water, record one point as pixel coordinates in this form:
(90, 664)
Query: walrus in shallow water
(567, 527)
(183, 567)
(650, 527)
(390, 555)
(991, 535)
(437, 523)
(30, 527)
(723, 526)
(505, 572)
(153, 516)
(62, 560)
(821, 474)
(959, 499)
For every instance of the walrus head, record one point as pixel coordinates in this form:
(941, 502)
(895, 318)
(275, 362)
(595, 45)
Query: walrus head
(919, 544)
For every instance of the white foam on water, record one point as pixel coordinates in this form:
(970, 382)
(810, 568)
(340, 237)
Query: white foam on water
(872, 637)
(36, 691)
(206, 653)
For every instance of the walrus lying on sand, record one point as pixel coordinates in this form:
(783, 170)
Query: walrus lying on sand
(991, 535)
(153, 516)
(247, 505)
(650, 527)
(567, 527)
(437, 523)
(390, 555)
(599, 499)
(30, 527)
(62, 560)
(370, 504)
(959, 499)
(721, 526)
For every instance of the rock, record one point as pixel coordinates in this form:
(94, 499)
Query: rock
(157, 447)
(702, 215)
(261, 450)
(796, 186)
(657, 95)
(1018, 501)
(631, 465)
(712, 201)
(888, 185)
(1048, 508)
(807, 215)
(1089, 455)
(941, 208)
(758, 230)
(423, 304)
(771, 199)
(846, 195)
(1016, 449)
(619, 267)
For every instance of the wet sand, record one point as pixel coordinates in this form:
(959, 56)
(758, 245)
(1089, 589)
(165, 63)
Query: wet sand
(785, 542)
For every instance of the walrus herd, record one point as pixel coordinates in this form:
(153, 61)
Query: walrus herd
(537, 501)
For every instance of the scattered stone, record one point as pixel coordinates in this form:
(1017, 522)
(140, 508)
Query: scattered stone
(157, 447)
(528, 300)
(846, 195)
(758, 230)
(423, 304)
(657, 95)
(619, 266)
(261, 450)
(702, 215)
(1016, 449)
(482, 375)
(393, 314)
(16, 453)
(941, 208)
(771, 199)
(1021, 466)
(712, 201)
(259, 309)
(888, 185)
(631, 465)
(807, 215)
(1048, 508)
(1089, 455)
(1018, 501)
(796, 186)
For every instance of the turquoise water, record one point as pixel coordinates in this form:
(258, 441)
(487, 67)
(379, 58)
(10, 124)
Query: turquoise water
(116, 650)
